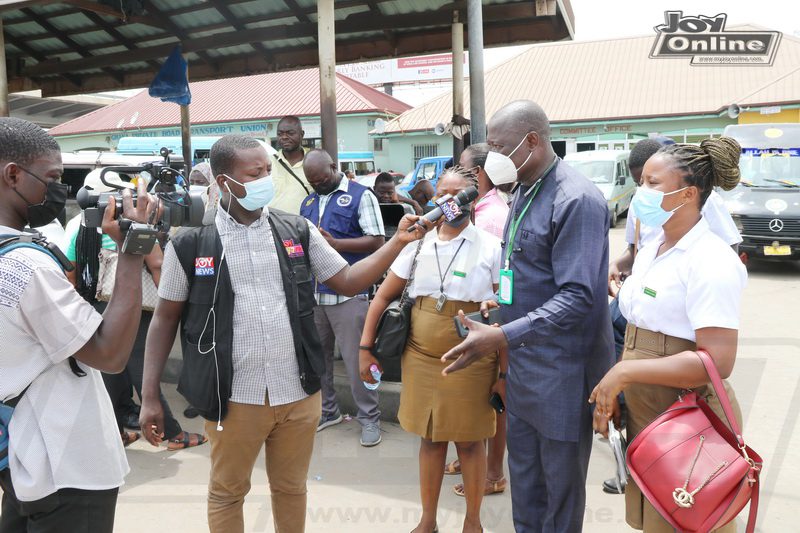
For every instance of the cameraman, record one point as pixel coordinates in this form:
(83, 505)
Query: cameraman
(66, 460)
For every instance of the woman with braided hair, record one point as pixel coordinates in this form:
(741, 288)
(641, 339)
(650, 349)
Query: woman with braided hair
(684, 293)
(457, 267)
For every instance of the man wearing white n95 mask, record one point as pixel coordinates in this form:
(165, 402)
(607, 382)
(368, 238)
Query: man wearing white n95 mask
(242, 291)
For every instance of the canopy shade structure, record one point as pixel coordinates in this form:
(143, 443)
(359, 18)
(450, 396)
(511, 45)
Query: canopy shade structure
(83, 46)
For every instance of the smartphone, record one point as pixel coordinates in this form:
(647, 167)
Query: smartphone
(497, 403)
(494, 318)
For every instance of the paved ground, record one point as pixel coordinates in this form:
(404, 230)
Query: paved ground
(365, 490)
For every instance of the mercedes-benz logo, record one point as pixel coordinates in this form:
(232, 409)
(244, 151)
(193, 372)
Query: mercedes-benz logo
(776, 225)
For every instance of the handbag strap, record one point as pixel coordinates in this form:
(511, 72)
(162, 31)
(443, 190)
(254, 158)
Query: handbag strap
(404, 298)
(753, 513)
(719, 387)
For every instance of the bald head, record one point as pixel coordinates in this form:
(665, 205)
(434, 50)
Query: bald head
(320, 171)
(520, 117)
(521, 131)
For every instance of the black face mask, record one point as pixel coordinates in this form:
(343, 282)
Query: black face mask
(55, 198)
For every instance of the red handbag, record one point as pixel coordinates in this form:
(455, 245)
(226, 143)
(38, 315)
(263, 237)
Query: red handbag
(693, 468)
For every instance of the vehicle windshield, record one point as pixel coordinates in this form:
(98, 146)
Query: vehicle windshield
(770, 167)
(597, 171)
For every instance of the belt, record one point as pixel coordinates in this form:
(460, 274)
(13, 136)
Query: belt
(653, 341)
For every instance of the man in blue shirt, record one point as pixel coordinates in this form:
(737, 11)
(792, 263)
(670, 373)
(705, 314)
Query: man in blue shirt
(555, 318)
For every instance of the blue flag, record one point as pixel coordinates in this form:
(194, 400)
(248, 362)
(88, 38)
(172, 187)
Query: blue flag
(171, 84)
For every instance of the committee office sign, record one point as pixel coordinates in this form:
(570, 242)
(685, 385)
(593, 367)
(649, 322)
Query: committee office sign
(706, 41)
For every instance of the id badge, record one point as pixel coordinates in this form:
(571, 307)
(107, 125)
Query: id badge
(506, 292)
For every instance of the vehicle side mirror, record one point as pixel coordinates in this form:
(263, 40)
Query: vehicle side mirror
(621, 180)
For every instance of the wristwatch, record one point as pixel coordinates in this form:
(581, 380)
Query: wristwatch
(501, 375)
(367, 348)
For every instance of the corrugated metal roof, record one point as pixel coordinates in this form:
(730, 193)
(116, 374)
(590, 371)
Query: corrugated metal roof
(616, 79)
(257, 97)
(59, 46)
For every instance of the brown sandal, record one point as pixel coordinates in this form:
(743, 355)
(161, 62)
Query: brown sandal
(453, 468)
(492, 487)
(129, 437)
(179, 443)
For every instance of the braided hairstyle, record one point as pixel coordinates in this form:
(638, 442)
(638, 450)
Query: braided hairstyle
(715, 163)
(465, 174)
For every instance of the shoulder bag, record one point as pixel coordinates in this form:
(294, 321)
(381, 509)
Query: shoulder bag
(290, 171)
(393, 327)
(693, 468)
(107, 274)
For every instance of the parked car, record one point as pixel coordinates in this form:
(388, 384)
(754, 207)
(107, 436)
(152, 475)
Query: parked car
(361, 163)
(608, 169)
(764, 205)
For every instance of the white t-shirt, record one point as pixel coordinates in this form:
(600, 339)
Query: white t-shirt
(473, 272)
(714, 212)
(696, 284)
(63, 433)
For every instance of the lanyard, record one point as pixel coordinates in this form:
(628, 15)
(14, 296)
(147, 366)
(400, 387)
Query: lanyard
(439, 266)
(515, 222)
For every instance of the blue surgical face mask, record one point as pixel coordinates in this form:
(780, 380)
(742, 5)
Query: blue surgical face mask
(646, 205)
(259, 192)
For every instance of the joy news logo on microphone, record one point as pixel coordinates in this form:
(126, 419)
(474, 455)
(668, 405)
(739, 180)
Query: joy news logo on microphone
(706, 41)
(449, 206)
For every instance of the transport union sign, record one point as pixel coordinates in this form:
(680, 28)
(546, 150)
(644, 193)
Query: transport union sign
(706, 41)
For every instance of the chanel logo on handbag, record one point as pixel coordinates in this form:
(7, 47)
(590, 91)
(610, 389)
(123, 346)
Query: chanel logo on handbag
(684, 498)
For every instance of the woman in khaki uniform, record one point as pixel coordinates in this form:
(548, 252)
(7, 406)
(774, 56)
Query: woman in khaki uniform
(457, 268)
(684, 293)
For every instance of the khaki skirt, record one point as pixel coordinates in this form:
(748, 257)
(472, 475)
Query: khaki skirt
(645, 403)
(444, 409)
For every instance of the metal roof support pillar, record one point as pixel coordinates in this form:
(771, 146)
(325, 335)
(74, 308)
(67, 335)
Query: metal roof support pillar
(477, 101)
(458, 81)
(4, 109)
(186, 141)
(326, 42)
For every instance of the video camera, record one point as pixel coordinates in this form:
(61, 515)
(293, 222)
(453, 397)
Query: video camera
(178, 206)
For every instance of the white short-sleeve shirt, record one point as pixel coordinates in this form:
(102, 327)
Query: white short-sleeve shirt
(714, 212)
(472, 274)
(63, 433)
(696, 284)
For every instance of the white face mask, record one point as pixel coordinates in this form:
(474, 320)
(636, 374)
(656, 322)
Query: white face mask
(500, 168)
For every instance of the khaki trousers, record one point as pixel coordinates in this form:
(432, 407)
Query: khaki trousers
(287, 433)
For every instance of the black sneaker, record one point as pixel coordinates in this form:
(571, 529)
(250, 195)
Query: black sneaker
(131, 420)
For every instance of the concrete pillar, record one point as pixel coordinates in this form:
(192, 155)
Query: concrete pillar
(326, 43)
(4, 109)
(458, 80)
(477, 101)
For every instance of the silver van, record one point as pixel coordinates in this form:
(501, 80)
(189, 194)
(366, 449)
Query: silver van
(608, 169)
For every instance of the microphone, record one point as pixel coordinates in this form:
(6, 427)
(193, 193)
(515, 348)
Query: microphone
(464, 197)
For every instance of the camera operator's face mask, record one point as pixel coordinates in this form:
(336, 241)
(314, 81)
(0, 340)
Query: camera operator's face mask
(259, 192)
(500, 168)
(55, 198)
